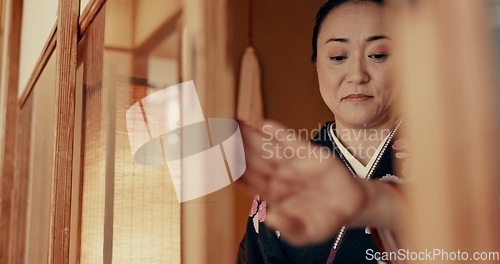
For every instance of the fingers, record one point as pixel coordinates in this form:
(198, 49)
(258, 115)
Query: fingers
(253, 182)
(260, 161)
(263, 155)
(292, 228)
(282, 134)
(257, 146)
(278, 157)
(280, 189)
(316, 211)
(301, 222)
(311, 195)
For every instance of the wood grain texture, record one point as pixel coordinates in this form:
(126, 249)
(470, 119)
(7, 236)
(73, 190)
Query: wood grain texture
(7, 169)
(67, 39)
(20, 189)
(89, 14)
(84, 22)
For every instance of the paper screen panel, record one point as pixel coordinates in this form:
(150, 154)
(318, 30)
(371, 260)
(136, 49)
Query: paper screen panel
(145, 218)
(94, 165)
(146, 226)
(41, 163)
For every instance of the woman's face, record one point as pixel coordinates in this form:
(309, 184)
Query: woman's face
(354, 65)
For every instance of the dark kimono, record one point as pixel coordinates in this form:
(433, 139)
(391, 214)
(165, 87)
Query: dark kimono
(263, 245)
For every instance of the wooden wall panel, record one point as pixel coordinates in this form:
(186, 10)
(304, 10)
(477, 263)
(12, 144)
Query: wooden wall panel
(148, 19)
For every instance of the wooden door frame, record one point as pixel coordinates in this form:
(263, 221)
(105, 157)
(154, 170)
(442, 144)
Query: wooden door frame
(67, 31)
(8, 162)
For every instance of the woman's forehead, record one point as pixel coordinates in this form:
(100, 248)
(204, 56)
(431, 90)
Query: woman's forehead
(354, 19)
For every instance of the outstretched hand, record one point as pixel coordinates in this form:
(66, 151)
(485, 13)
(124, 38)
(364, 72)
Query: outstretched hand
(310, 194)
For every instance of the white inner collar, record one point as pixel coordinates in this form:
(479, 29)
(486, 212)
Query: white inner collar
(358, 167)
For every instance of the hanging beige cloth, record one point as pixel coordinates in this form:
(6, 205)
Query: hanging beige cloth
(250, 106)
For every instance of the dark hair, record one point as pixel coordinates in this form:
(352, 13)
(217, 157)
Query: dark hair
(323, 12)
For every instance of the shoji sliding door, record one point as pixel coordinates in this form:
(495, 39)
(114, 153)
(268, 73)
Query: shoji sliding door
(130, 213)
(129, 210)
(71, 190)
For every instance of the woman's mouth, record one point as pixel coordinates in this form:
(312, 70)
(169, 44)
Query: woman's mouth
(357, 97)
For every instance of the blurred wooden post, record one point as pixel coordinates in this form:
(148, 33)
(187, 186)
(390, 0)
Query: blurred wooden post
(208, 223)
(447, 78)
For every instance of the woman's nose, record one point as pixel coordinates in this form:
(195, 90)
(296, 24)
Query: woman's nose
(357, 73)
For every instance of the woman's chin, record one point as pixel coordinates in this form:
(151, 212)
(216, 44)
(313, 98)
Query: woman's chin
(360, 120)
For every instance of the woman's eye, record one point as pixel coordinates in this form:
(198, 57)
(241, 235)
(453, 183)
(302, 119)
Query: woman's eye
(338, 58)
(379, 57)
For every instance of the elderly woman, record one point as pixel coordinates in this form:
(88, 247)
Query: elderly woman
(316, 203)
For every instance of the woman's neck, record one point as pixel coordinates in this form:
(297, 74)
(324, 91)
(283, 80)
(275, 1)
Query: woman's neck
(362, 142)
